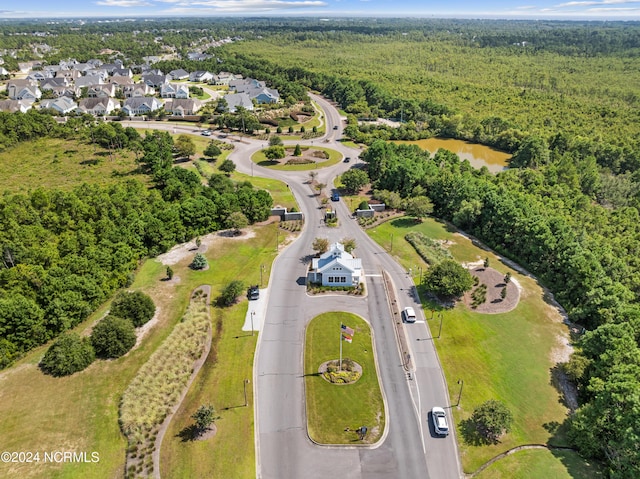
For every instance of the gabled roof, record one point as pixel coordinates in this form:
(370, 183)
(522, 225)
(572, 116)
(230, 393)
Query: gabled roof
(336, 255)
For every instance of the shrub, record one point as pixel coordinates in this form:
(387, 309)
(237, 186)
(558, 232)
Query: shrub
(135, 306)
(230, 293)
(491, 419)
(448, 279)
(199, 262)
(113, 337)
(69, 354)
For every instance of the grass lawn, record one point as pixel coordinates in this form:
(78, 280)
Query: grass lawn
(531, 463)
(80, 412)
(498, 356)
(331, 408)
(334, 157)
(63, 164)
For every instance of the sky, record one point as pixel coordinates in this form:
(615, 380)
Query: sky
(526, 9)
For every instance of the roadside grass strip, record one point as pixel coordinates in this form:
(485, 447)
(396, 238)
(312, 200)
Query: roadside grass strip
(335, 412)
(158, 385)
(505, 356)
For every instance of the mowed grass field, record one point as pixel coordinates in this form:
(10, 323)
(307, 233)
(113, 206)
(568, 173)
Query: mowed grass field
(80, 413)
(63, 164)
(330, 407)
(508, 357)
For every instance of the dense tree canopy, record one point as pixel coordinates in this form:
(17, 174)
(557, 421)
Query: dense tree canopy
(113, 337)
(67, 355)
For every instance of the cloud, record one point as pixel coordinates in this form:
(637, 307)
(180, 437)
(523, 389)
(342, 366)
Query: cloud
(594, 3)
(123, 3)
(234, 6)
(614, 10)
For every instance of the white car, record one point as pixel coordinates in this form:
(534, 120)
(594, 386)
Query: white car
(439, 418)
(409, 314)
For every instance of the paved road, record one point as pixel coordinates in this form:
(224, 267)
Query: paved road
(409, 449)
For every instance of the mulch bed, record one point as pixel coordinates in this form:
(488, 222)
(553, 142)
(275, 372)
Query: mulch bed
(495, 282)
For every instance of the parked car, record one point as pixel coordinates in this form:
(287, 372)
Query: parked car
(335, 127)
(335, 196)
(253, 292)
(347, 159)
(409, 314)
(206, 133)
(439, 419)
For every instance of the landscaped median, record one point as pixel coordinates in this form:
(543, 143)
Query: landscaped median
(336, 411)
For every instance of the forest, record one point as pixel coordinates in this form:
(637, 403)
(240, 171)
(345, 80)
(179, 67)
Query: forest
(66, 252)
(562, 97)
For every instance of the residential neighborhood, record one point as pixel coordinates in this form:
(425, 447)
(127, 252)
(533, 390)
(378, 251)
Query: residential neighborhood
(100, 89)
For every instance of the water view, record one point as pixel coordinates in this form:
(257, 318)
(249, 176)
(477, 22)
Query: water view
(478, 155)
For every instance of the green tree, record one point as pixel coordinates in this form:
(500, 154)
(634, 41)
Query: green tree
(486, 262)
(275, 140)
(275, 152)
(420, 207)
(169, 273)
(320, 245)
(354, 179)
(491, 420)
(448, 279)
(507, 277)
(212, 150)
(184, 146)
(236, 221)
(199, 262)
(135, 306)
(69, 354)
(297, 151)
(230, 293)
(349, 244)
(533, 152)
(228, 166)
(204, 417)
(113, 337)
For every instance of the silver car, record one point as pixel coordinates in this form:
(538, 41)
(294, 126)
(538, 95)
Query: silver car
(439, 418)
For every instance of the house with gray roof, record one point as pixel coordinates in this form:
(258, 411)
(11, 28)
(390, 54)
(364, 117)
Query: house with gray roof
(11, 106)
(63, 105)
(257, 90)
(174, 90)
(201, 76)
(179, 74)
(156, 81)
(234, 100)
(336, 267)
(182, 106)
(98, 106)
(137, 90)
(141, 106)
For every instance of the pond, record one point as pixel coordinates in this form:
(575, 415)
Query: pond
(478, 155)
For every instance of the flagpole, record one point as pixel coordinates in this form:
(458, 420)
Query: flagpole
(340, 363)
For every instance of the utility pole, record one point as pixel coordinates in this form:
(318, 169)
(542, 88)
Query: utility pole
(261, 272)
(461, 383)
(440, 330)
(244, 383)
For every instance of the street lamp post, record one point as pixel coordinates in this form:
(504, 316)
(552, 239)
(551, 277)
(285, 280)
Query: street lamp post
(244, 383)
(440, 329)
(461, 383)
(261, 272)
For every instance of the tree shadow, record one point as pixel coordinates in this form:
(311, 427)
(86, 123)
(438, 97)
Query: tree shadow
(189, 433)
(471, 436)
(91, 162)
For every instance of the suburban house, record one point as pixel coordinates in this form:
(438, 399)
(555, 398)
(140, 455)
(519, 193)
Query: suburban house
(68, 74)
(88, 81)
(124, 72)
(11, 106)
(156, 81)
(121, 80)
(336, 267)
(101, 91)
(69, 91)
(257, 90)
(16, 85)
(63, 105)
(32, 93)
(98, 106)
(182, 106)
(198, 56)
(141, 106)
(137, 90)
(51, 83)
(174, 90)
(201, 76)
(179, 74)
(234, 100)
(39, 75)
(223, 78)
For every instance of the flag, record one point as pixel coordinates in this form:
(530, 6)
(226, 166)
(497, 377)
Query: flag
(346, 337)
(346, 329)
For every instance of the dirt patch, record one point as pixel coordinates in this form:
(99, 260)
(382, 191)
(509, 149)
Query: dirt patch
(495, 284)
(189, 249)
(208, 434)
